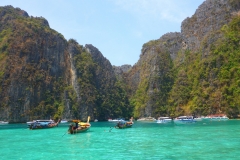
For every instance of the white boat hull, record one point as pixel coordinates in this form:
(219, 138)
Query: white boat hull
(3, 122)
(184, 120)
(164, 120)
(116, 120)
(218, 119)
(147, 119)
(198, 119)
(64, 121)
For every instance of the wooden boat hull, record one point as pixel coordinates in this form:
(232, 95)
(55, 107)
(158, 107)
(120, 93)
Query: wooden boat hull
(79, 127)
(78, 130)
(124, 125)
(42, 126)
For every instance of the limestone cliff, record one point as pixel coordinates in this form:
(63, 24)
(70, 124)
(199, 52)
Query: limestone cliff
(152, 79)
(210, 16)
(33, 59)
(121, 70)
(44, 76)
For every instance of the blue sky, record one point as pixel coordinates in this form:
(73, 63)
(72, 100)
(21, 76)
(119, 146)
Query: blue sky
(118, 28)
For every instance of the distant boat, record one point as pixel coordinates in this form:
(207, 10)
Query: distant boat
(3, 122)
(79, 126)
(147, 119)
(64, 121)
(198, 118)
(95, 120)
(124, 124)
(116, 120)
(42, 124)
(184, 120)
(164, 120)
(217, 117)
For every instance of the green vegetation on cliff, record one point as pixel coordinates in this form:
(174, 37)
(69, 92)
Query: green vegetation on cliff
(196, 82)
(97, 91)
(208, 84)
(30, 75)
(156, 82)
(43, 75)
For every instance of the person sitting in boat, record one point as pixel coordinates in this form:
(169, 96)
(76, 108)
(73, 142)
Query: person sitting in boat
(76, 125)
(118, 125)
(71, 128)
(34, 124)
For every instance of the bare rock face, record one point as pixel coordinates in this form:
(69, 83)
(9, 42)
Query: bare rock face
(121, 70)
(169, 42)
(125, 68)
(18, 11)
(210, 16)
(148, 63)
(105, 70)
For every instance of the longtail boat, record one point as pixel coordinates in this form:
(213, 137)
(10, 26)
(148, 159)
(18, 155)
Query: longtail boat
(124, 124)
(42, 124)
(79, 126)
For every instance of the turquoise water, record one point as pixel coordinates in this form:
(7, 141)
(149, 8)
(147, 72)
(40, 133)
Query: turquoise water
(202, 140)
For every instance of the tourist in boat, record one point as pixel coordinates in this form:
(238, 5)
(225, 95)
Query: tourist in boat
(71, 128)
(33, 125)
(118, 125)
(76, 125)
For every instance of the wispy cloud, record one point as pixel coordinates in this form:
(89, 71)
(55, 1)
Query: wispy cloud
(169, 10)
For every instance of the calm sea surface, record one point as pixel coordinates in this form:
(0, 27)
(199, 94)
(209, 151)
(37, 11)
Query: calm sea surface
(202, 140)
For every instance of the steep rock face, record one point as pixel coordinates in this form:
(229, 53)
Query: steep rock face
(34, 61)
(94, 89)
(73, 89)
(169, 43)
(121, 70)
(44, 76)
(153, 73)
(112, 100)
(198, 33)
(199, 86)
(204, 84)
(210, 16)
(103, 81)
(103, 63)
